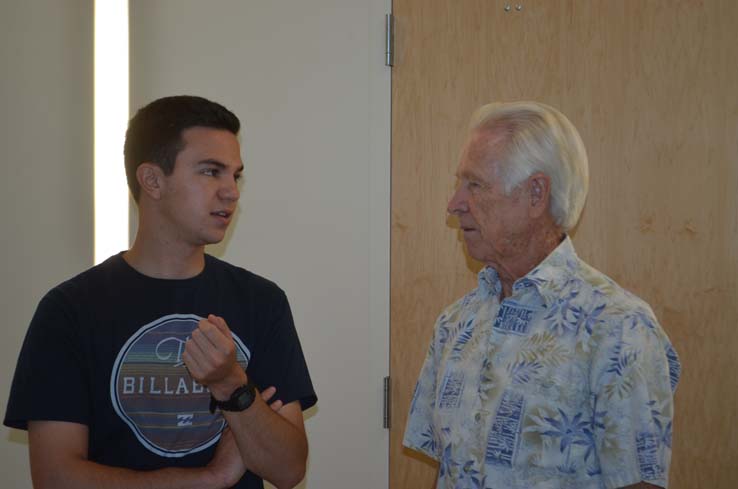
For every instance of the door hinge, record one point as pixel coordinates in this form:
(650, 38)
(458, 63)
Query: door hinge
(389, 40)
(387, 419)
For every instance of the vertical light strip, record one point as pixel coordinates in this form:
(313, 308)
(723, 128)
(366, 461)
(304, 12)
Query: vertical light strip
(111, 118)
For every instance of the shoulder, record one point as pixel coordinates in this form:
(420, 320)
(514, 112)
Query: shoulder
(617, 319)
(242, 280)
(65, 309)
(87, 284)
(616, 302)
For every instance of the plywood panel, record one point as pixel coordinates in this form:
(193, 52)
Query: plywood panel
(651, 86)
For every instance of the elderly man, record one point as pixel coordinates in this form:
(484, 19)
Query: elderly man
(548, 374)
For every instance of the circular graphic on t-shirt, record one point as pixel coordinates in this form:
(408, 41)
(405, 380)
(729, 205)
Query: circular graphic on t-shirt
(154, 394)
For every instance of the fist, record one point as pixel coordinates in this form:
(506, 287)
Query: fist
(210, 357)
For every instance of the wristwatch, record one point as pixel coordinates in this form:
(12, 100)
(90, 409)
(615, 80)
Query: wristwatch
(240, 400)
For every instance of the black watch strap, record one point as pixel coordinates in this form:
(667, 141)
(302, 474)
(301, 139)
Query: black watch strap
(241, 399)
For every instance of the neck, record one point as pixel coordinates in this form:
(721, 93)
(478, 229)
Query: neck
(156, 256)
(533, 251)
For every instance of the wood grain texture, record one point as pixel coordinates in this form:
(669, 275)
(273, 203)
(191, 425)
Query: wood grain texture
(652, 88)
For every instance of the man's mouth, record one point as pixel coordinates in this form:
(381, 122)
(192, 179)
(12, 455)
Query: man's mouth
(223, 214)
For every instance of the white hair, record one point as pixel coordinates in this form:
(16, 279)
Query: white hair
(539, 138)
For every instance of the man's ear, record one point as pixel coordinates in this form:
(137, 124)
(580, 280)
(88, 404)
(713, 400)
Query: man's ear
(151, 178)
(539, 185)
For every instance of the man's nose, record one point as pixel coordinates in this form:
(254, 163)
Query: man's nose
(230, 191)
(457, 204)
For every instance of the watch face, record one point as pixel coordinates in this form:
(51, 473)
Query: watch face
(245, 398)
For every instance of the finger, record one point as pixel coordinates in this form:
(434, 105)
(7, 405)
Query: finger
(194, 368)
(213, 331)
(200, 361)
(200, 338)
(267, 393)
(209, 330)
(220, 323)
(276, 405)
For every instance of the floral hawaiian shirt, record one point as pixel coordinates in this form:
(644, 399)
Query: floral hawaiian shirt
(567, 383)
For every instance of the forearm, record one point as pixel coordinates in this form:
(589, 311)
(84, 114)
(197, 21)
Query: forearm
(59, 459)
(270, 445)
(83, 474)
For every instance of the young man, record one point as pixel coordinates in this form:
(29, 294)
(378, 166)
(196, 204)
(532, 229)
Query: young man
(145, 370)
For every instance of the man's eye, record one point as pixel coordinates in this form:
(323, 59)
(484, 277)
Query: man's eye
(211, 172)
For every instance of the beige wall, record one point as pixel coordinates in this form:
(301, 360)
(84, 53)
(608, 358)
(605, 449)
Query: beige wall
(321, 63)
(46, 153)
(309, 83)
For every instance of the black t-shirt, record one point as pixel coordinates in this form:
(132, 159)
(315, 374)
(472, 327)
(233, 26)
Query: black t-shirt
(104, 350)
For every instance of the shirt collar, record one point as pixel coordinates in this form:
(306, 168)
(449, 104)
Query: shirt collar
(548, 278)
(488, 282)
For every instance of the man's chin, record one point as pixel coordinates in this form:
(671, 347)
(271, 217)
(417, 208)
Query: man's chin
(212, 239)
(472, 251)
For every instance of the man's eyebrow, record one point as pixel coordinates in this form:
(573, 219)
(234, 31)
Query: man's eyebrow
(218, 163)
(211, 161)
(467, 174)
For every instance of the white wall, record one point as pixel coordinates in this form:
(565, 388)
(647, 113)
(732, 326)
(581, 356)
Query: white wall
(46, 160)
(308, 81)
(307, 78)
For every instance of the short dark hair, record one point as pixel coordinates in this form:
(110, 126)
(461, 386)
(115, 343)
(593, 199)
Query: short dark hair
(155, 133)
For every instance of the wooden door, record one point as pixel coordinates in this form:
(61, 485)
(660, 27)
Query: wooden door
(653, 88)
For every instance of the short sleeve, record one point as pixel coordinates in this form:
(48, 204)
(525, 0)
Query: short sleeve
(634, 373)
(50, 381)
(420, 431)
(279, 360)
